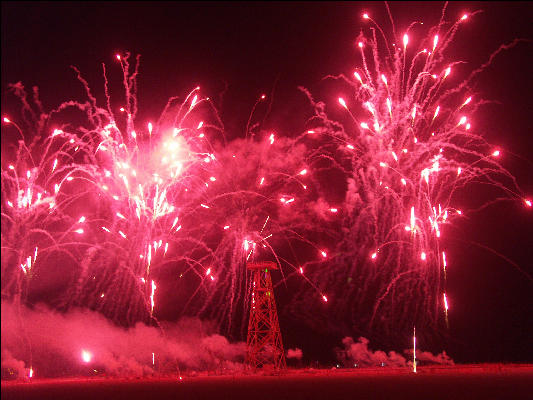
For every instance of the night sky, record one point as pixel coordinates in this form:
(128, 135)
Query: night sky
(237, 51)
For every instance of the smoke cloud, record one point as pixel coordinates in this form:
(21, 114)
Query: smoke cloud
(358, 353)
(295, 353)
(84, 342)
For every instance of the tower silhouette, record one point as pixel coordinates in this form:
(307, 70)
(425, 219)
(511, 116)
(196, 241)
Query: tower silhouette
(264, 345)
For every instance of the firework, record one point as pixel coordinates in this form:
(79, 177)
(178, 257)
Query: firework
(171, 198)
(410, 147)
(355, 211)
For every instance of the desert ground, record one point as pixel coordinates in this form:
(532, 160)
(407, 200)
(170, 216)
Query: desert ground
(487, 381)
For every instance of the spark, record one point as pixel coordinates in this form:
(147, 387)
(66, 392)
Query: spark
(152, 297)
(468, 100)
(342, 102)
(436, 112)
(414, 350)
(86, 356)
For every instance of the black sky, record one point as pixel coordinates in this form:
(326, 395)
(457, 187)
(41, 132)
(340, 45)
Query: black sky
(254, 48)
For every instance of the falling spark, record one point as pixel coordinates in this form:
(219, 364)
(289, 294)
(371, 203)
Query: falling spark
(436, 112)
(152, 298)
(358, 77)
(342, 102)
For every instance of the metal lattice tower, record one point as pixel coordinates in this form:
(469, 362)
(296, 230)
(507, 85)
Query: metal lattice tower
(264, 345)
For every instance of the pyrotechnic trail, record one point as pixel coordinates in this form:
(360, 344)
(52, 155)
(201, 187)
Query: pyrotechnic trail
(410, 151)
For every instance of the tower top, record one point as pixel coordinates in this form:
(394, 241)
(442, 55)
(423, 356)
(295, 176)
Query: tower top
(262, 265)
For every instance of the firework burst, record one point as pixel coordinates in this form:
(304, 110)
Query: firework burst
(410, 150)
